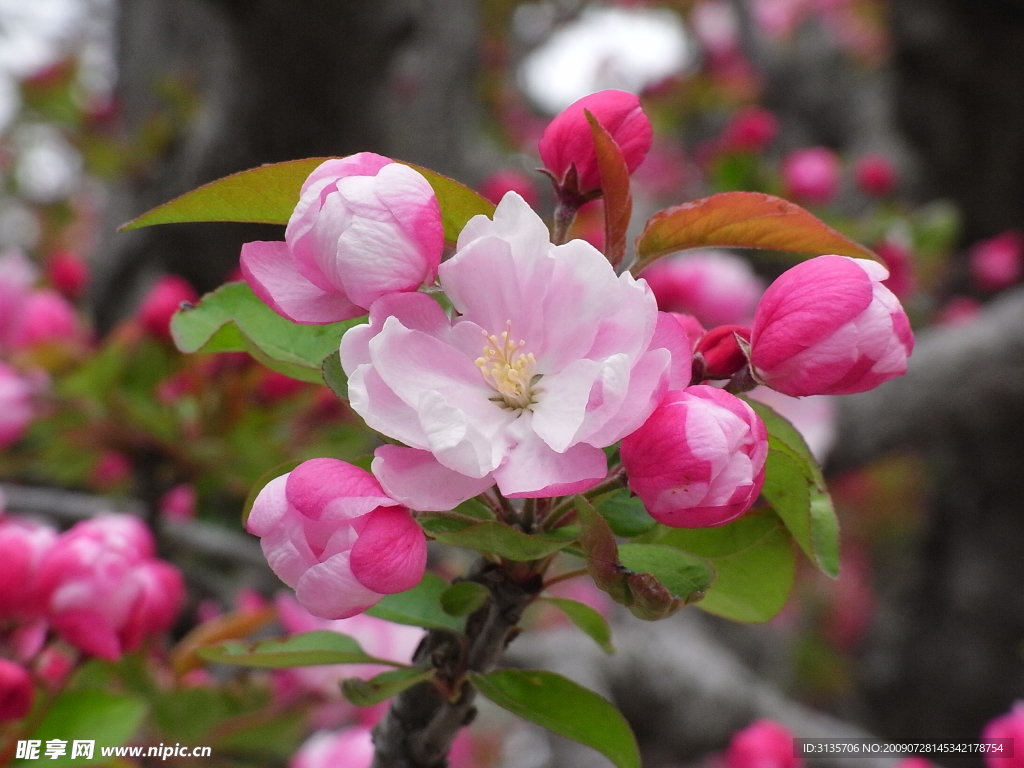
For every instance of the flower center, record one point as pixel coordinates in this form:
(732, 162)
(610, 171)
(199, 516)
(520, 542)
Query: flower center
(508, 370)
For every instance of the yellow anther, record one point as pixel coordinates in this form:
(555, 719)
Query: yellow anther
(508, 370)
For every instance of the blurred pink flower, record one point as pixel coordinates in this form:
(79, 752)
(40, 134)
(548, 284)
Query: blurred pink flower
(364, 227)
(875, 175)
(811, 175)
(17, 275)
(46, 317)
(716, 287)
(350, 747)
(751, 129)
(829, 327)
(104, 591)
(68, 272)
(18, 408)
(163, 299)
(998, 262)
(698, 461)
(568, 143)
(330, 532)
(1007, 726)
(16, 690)
(762, 744)
(24, 544)
(498, 183)
(547, 360)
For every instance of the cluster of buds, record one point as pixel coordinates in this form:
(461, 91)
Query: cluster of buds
(540, 359)
(97, 586)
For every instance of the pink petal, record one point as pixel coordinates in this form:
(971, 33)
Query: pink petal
(330, 590)
(270, 271)
(533, 469)
(391, 552)
(416, 480)
(334, 490)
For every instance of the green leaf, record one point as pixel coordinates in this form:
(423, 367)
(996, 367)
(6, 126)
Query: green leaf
(334, 375)
(265, 195)
(419, 606)
(492, 538)
(233, 319)
(464, 597)
(366, 693)
(110, 719)
(618, 203)
(685, 575)
(303, 650)
(753, 561)
(625, 513)
(563, 707)
(741, 220)
(268, 195)
(586, 619)
(795, 487)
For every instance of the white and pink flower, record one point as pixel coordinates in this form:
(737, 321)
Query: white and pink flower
(548, 358)
(331, 533)
(364, 227)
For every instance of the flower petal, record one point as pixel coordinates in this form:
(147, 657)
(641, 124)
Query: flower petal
(391, 552)
(418, 481)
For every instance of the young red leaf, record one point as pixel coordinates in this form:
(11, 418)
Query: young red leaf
(618, 203)
(741, 220)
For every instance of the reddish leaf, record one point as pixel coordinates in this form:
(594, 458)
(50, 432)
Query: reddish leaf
(741, 220)
(618, 203)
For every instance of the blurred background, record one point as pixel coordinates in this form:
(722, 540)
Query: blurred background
(899, 122)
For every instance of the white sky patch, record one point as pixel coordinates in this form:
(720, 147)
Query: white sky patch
(606, 48)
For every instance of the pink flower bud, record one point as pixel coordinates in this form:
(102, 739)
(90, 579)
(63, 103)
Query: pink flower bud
(828, 326)
(568, 143)
(330, 532)
(46, 317)
(811, 175)
(875, 175)
(698, 461)
(17, 274)
(1007, 726)
(751, 129)
(24, 544)
(998, 262)
(716, 287)
(164, 298)
(16, 691)
(720, 352)
(179, 503)
(103, 590)
(762, 744)
(364, 227)
(68, 272)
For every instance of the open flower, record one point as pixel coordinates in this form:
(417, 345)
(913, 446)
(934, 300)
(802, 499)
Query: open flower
(547, 360)
(364, 226)
(330, 532)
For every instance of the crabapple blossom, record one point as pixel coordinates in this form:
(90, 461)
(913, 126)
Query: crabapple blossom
(163, 299)
(548, 359)
(716, 287)
(567, 144)
(997, 262)
(16, 690)
(762, 744)
(103, 589)
(69, 273)
(330, 532)
(751, 129)
(698, 461)
(875, 175)
(364, 227)
(1007, 726)
(828, 326)
(811, 175)
(46, 317)
(17, 274)
(24, 544)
